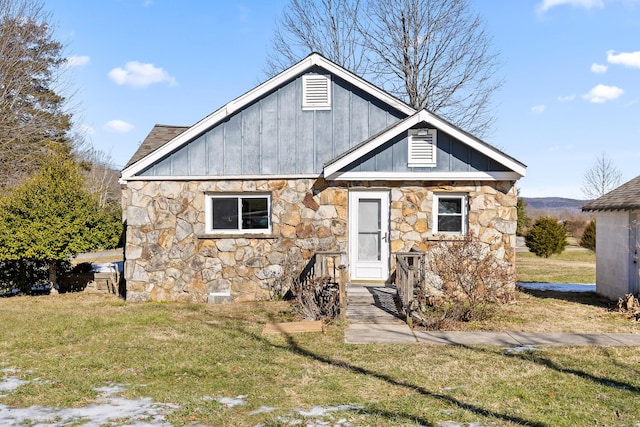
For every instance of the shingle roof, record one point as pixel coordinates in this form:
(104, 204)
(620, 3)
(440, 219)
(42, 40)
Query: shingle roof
(625, 197)
(159, 135)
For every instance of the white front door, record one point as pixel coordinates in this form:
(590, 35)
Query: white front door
(369, 235)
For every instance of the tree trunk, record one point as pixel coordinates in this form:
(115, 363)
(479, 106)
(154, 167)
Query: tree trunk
(53, 278)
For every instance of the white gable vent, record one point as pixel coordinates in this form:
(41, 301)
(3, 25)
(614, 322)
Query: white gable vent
(422, 148)
(316, 92)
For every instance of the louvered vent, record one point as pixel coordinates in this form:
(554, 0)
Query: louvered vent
(316, 92)
(422, 148)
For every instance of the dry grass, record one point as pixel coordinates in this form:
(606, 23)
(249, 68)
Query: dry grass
(185, 354)
(550, 311)
(571, 266)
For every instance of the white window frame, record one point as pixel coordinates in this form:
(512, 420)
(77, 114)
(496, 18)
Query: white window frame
(307, 104)
(209, 197)
(421, 142)
(464, 215)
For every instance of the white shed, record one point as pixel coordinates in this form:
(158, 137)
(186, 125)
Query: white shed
(618, 240)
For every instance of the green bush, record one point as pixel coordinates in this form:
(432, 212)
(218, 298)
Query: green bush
(546, 237)
(588, 239)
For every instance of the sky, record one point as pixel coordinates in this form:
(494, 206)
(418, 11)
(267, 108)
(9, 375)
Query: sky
(571, 71)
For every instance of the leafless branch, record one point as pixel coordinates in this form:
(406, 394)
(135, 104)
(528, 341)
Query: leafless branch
(435, 54)
(601, 177)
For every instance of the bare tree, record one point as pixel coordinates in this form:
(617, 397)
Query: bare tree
(101, 176)
(328, 27)
(434, 54)
(601, 177)
(31, 111)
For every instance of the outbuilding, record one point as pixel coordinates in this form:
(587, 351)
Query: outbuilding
(617, 240)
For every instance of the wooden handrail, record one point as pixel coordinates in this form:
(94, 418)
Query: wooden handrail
(409, 267)
(331, 264)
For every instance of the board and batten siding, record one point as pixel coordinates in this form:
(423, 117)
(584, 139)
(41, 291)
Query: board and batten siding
(275, 136)
(451, 156)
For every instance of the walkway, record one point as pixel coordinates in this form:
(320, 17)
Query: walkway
(372, 333)
(372, 304)
(372, 313)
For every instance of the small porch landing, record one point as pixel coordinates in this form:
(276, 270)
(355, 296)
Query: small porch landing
(368, 303)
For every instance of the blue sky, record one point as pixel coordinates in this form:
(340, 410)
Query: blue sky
(571, 71)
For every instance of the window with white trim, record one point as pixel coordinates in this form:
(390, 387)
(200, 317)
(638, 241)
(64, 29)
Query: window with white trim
(422, 148)
(316, 92)
(450, 213)
(238, 213)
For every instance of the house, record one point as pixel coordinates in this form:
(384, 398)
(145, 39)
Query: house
(314, 159)
(617, 240)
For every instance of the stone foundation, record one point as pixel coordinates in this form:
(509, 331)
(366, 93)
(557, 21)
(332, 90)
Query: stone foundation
(169, 257)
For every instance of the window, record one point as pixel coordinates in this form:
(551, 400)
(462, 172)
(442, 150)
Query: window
(450, 213)
(422, 148)
(316, 92)
(228, 213)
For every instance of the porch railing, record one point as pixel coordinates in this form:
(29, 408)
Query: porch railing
(334, 266)
(409, 267)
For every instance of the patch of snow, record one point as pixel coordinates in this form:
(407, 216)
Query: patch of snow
(107, 411)
(561, 287)
(110, 390)
(262, 410)
(520, 349)
(230, 402)
(10, 383)
(111, 410)
(320, 411)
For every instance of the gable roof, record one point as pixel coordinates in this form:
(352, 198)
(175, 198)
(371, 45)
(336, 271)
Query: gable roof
(332, 169)
(139, 163)
(159, 135)
(625, 197)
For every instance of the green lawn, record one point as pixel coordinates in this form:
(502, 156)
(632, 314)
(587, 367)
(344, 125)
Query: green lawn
(187, 354)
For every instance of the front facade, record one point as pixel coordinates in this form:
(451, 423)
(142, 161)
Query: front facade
(315, 159)
(618, 240)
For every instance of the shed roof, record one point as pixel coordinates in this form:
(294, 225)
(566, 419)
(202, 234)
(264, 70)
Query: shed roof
(625, 197)
(159, 135)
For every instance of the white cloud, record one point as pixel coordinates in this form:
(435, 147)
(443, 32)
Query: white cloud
(538, 109)
(603, 93)
(77, 61)
(567, 98)
(598, 68)
(586, 4)
(628, 59)
(118, 126)
(137, 74)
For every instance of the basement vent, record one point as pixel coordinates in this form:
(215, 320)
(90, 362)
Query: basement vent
(316, 92)
(422, 148)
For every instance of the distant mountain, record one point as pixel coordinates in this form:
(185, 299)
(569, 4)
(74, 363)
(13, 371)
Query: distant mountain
(554, 203)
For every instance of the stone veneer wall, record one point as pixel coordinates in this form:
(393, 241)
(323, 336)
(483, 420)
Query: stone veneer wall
(169, 257)
(492, 215)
